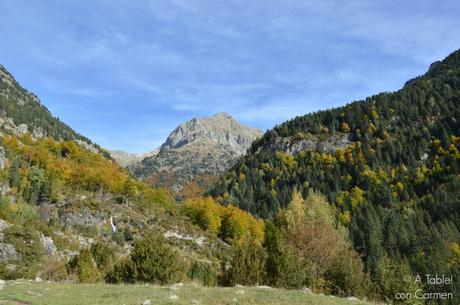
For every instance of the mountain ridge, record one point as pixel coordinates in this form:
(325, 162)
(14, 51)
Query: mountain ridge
(22, 112)
(126, 159)
(202, 146)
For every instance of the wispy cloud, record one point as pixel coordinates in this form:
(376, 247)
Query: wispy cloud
(126, 73)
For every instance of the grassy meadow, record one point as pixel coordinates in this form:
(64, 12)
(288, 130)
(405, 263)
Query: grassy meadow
(50, 293)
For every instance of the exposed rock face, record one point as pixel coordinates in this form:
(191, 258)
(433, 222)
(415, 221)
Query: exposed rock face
(201, 146)
(3, 158)
(87, 146)
(48, 244)
(293, 146)
(3, 226)
(7, 251)
(220, 129)
(83, 217)
(126, 159)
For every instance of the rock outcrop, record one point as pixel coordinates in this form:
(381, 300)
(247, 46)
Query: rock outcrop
(328, 143)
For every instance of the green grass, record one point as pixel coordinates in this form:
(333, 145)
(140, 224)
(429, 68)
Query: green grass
(26, 292)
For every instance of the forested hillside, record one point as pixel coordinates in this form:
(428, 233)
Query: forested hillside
(389, 166)
(22, 112)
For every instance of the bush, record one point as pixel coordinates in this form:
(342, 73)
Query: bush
(104, 256)
(396, 277)
(282, 268)
(84, 268)
(123, 271)
(156, 262)
(204, 212)
(345, 277)
(231, 229)
(53, 269)
(203, 272)
(27, 243)
(246, 266)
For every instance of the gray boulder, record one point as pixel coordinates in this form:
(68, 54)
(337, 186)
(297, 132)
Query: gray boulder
(48, 244)
(8, 253)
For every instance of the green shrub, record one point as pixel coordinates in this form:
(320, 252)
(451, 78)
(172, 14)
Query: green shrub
(123, 271)
(18, 212)
(84, 268)
(246, 266)
(60, 241)
(345, 277)
(127, 234)
(4, 272)
(396, 277)
(103, 255)
(156, 262)
(27, 243)
(203, 272)
(282, 268)
(119, 238)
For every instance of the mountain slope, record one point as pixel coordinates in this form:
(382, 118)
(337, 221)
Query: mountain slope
(388, 164)
(22, 112)
(204, 146)
(60, 195)
(126, 159)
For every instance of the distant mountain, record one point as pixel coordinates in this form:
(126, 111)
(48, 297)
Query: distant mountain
(126, 159)
(204, 146)
(61, 194)
(22, 112)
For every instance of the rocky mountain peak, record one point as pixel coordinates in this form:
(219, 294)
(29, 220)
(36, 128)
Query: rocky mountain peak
(222, 116)
(220, 129)
(200, 147)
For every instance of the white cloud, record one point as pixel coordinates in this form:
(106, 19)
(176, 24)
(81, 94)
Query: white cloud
(171, 60)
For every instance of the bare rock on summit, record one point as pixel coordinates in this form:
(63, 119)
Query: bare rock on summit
(205, 146)
(219, 130)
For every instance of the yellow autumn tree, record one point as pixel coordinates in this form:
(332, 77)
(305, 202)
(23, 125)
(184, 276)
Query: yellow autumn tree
(204, 212)
(309, 225)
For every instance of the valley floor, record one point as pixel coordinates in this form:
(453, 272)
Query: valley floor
(45, 293)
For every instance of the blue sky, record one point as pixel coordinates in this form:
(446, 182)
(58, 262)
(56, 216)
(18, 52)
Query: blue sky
(125, 73)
